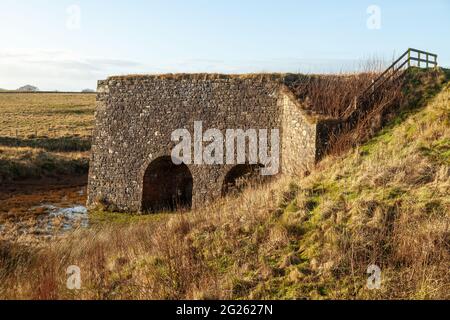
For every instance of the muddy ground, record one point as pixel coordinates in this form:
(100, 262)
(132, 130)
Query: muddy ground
(36, 210)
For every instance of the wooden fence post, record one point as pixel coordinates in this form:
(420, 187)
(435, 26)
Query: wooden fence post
(409, 58)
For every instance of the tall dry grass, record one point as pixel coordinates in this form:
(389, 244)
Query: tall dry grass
(330, 95)
(397, 98)
(183, 256)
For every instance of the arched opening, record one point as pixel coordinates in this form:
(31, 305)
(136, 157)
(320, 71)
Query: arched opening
(167, 187)
(241, 177)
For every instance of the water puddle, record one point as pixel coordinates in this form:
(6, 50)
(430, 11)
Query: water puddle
(45, 222)
(34, 214)
(58, 220)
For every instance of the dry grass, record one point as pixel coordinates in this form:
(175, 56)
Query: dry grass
(385, 203)
(203, 76)
(397, 98)
(34, 163)
(43, 134)
(50, 115)
(330, 95)
(139, 260)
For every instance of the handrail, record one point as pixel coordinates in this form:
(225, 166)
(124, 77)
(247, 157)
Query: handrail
(391, 71)
(424, 52)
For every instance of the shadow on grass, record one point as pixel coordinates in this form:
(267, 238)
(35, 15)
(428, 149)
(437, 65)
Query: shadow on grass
(42, 166)
(13, 257)
(60, 144)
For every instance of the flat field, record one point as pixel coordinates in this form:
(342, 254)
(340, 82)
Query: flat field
(27, 115)
(44, 134)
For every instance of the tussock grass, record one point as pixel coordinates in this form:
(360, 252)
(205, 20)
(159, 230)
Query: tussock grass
(330, 95)
(387, 203)
(34, 163)
(384, 203)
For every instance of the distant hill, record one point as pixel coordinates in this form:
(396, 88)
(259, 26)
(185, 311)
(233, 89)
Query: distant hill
(88, 91)
(28, 88)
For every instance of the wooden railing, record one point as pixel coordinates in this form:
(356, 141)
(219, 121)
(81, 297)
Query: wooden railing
(411, 57)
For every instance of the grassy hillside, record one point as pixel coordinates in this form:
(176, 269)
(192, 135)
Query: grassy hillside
(386, 203)
(44, 134)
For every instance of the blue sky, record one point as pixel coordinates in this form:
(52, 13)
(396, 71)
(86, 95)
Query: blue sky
(69, 45)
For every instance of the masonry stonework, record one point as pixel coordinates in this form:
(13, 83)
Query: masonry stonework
(136, 115)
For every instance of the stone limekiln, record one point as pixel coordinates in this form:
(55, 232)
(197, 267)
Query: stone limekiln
(131, 169)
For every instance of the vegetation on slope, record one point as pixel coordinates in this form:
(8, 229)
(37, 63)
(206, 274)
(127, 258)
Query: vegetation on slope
(385, 203)
(395, 101)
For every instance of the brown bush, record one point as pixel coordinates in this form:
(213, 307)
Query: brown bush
(330, 95)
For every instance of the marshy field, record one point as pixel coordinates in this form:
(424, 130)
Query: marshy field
(44, 158)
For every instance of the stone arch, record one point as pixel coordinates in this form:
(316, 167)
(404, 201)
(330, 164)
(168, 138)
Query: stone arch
(240, 177)
(166, 186)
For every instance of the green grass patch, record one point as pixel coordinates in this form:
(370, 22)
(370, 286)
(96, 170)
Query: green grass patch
(438, 151)
(102, 217)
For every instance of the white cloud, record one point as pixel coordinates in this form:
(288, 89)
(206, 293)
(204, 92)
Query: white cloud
(57, 69)
(67, 70)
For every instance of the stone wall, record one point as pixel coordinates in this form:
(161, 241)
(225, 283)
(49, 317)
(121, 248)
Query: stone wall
(298, 137)
(136, 116)
(135, 119)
